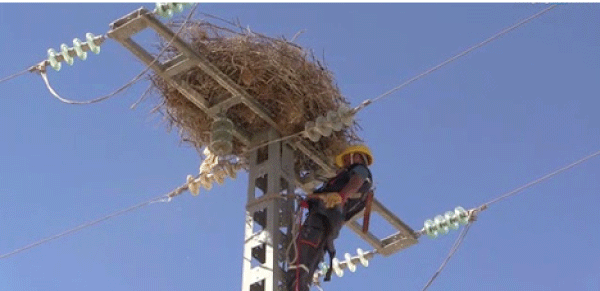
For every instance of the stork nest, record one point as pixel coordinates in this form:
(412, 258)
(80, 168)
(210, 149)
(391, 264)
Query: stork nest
(286, 79)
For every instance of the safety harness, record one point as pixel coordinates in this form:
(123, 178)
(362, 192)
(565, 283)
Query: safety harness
(350, 207)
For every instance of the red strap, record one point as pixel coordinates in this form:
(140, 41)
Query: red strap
(367, 213)
(303, 204)
(310, 243)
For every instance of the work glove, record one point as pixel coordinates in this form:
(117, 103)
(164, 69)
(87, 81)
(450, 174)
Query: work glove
(332, 200)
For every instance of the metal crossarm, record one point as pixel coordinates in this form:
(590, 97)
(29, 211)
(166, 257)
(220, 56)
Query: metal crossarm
(404, 238)
(274, 175)
(123, 29)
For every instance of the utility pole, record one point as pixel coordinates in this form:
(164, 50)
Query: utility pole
(272, 180)
(269, 214)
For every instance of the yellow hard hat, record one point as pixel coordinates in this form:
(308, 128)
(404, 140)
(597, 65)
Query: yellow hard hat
(361, 149)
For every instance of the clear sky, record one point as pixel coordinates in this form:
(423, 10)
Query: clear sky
(506, 114)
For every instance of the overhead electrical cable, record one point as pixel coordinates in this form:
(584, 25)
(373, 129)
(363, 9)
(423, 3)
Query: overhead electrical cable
(539, 180)
(453, 250)
(473, 212)
(368, 102)
(479, 45)
(181, 189)
(41, 68)
(14, 75)
(162, 198)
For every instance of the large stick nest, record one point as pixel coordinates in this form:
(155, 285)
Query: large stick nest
(287, 80)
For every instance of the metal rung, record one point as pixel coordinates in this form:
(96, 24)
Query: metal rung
(176, 65)
(123, 29)
(404, 238)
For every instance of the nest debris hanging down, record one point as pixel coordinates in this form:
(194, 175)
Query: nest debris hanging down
(284, 78)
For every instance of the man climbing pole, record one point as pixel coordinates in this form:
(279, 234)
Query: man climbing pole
(329, 207)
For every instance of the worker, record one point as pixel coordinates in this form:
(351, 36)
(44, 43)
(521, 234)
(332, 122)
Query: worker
(329, 207)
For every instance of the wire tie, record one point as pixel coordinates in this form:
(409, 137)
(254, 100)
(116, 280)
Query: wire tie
(362, 105)
(482, 207)
(472, 215)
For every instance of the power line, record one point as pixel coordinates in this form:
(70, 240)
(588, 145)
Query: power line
(368, 102)
(163, 198)
(167, 197)
(99, 99)
(453, 250)
(473, 212)
(537, 181)
(142, 97)
(15, 75)
(481, 44)
(42, 70)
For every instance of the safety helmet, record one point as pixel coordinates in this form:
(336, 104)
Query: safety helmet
(360, 149)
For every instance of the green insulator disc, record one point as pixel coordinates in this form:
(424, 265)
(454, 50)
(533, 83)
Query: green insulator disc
(159, 9)
(441, 224)
(311, 132)
(324, 268)
(52, 59)
(89, 37)
(64, 49)
(430, 228)
(333, 117)
(451, 220)
(79, 50)
(220, 148)
(178, 7)
(463, 215)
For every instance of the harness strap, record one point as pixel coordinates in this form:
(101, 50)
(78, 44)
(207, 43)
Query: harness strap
(367, 213)
(300, 266)
(331, 252)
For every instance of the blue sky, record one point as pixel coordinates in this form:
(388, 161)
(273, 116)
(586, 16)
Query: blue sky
(504, 115)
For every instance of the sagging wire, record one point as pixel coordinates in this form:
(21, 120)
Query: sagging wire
(41, 68)
(472, 214)
(453, 250)
(539, 180)
(142, 97)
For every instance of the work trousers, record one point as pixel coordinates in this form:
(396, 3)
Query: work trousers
(319, 230)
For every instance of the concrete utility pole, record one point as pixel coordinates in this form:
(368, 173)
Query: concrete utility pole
(269, 212)
(269, 217)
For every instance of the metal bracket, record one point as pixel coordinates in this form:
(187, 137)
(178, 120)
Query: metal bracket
(123, 29)
(404, 238)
